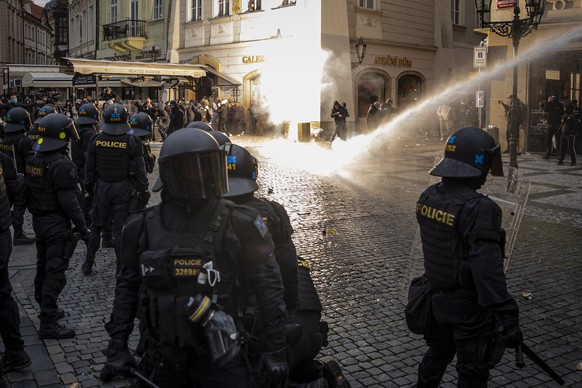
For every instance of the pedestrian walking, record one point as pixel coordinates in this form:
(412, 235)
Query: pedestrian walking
(567, 134)
(52, 200)
(114, 159)
(191, 240)
(176, 118)
(554, 111)
(474, 316)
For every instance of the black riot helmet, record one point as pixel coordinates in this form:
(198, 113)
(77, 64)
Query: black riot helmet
(88, 114)
(42, 112)
(192, 166)
(141, 124)
(200, 125)
(469, 153)
(220, 137)
(115, 120)
(17, 119)
(54, 132)
(243, 170)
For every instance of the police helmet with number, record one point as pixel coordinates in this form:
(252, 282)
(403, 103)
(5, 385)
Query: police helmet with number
(17, 119)
(115, 120)
(88, 114)
(141, 124)
(54, 132)
(42, 112)
(243, 170)
(192, 166)
(469, 153)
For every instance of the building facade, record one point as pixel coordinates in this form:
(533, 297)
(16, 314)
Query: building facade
(26, 40)
(83, 29)
(549, 62)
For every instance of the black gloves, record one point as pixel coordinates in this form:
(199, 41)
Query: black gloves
(89, 193)
(509, 332)
(119, 360)
(273, 369)
(143, 199)
(84, 234)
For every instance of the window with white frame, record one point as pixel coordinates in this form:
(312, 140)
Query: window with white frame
(223, 8)
(157, 10)
(195, 10)
(368, 4)
(113, 11)
(456, 12)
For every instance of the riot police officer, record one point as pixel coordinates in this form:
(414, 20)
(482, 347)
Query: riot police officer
(52, 200)
(474, 314)
(306, 333)
(14, 357)
(18, 147)
(41, 113)
(142, 126)
(190, 258)
(86, 124)
(114, 159)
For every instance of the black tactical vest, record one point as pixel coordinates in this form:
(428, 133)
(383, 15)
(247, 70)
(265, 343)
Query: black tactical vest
(443, 246)
(112, 156)
(169, 272)
(41, 196)
(9, 147)
(79, 147)
(5, 218)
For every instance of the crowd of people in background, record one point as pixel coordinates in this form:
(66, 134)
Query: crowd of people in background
(563, 122)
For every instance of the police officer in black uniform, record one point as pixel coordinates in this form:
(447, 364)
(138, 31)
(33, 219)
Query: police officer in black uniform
(114, 159)
(14, 356)
(463, 243)
(52, 199)
(32, 134)
(18, 147)
(184, 262)
(142, 126)
(86, 124)
(306, 333)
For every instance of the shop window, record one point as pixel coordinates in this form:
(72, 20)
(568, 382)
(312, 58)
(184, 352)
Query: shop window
(409, 91)
(372, 87)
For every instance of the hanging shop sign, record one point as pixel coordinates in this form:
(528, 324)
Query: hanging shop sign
(84, 79)
(389, 60)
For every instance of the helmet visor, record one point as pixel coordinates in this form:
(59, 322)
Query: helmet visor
(195, 175)
(496, 162)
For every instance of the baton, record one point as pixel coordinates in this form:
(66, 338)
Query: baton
(141, 377)
(535, 358)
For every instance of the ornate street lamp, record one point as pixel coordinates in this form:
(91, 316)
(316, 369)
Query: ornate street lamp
(514, 29)
(360, 52)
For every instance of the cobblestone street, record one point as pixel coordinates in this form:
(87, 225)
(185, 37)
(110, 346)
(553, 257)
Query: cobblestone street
(357, 228)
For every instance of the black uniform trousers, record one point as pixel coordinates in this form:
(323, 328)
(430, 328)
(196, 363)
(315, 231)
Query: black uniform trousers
(461, 327)
(552, 130)
(111, 202)
(51, 235)
(10, 318)
(18, 210)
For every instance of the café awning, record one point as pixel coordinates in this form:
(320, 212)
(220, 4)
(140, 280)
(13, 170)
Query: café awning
(47, 80)
(141, 83)
(96, 66)
(224, 80)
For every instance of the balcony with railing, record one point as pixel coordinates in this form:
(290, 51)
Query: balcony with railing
(128, 34)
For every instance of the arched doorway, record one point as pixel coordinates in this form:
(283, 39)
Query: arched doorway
(372, 86)
(409, 90)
